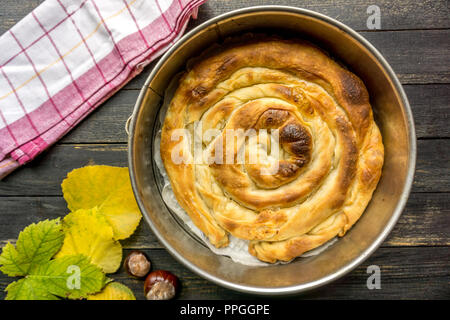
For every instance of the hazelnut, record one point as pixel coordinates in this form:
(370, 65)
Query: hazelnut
(160, 285)
(137, 264)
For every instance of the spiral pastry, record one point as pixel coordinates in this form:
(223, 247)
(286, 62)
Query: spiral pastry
(329, 149)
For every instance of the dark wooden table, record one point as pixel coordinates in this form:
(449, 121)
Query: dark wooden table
(414, 260)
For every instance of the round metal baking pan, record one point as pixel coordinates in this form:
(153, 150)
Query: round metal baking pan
(392, 113)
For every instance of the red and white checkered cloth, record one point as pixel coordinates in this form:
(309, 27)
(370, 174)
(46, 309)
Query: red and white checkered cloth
(67, 57)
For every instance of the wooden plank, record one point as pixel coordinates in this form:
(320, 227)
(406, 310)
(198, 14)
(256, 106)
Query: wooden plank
(433, 166)
(429, 103)
(12, 11)
(44, 175)
(395, 15)
(406, 14)
(414, 273)
(416, 56)
(107, 123)
(424, 222)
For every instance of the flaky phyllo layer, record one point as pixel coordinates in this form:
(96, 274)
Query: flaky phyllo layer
(283, 96)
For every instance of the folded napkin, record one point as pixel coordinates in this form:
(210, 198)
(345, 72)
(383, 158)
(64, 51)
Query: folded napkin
(67, 57)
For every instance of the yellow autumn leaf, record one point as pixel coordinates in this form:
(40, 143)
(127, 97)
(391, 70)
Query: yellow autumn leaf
(89, 233)
(114, 291)
(108, 188)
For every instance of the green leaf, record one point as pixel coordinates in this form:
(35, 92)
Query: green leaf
(71, 277)
(36, 244)
(28, 289)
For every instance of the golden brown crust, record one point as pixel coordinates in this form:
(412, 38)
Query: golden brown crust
(331, 149)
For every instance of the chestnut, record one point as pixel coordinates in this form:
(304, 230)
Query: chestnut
(137, 264)
(160, 285)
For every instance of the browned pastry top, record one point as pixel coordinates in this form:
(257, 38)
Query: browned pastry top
(287, 197)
